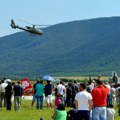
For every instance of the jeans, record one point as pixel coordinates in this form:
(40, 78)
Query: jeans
(17, 103)
(63, 99)
(109, 100)
(39, 102)
(2, 98)
(99, 113)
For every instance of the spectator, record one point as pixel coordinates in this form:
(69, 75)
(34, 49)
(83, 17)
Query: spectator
(110, 113)
(3, 98)
(83, 103)
(72, 114)
(48, 93)
(99, 94)
(118, 95)
(55, 90)
(61, 90)
(115, 78)
(109, 94)
(8, 95)
(39, 94)
(90, 87)
(68, 95)
(34, 93)
(113, 92)
(57, 101)
(60, 113)
(74, 91)
(18, 91)
(0, 94)
(118, 99)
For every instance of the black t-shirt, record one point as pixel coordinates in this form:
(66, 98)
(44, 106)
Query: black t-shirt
(8, 89)
(48, 89)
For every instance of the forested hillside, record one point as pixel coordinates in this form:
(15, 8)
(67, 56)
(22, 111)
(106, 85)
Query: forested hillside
(85, 47)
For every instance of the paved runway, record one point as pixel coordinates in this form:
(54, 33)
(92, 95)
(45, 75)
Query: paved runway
(30, 97)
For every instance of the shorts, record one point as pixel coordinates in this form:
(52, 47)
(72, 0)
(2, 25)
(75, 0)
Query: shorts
(49, 99)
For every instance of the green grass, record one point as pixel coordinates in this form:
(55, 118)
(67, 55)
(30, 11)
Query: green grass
(116, 116)
(31, 113)
(27, 112)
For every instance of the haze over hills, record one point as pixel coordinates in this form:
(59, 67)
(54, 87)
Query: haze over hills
(85, 47)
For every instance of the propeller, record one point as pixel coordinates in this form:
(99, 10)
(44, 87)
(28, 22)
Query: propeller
(31, 23)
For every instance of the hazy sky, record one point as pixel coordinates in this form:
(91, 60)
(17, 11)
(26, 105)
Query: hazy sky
(53, 11)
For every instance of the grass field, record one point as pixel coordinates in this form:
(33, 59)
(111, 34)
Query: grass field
(27, 112)
(31, 113)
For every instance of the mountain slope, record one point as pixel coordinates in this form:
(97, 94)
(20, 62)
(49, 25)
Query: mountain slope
(78, 47)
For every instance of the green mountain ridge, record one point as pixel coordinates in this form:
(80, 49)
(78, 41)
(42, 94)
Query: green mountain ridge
(84, 47)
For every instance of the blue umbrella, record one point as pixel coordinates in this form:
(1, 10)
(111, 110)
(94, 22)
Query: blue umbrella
(47, 78)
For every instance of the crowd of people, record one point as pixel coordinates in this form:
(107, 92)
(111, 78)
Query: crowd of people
(92, 101)
(7, 90)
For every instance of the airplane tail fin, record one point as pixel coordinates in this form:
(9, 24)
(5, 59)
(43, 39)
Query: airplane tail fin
(12, 24)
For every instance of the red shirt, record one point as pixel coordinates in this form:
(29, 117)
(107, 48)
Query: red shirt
(99, 95)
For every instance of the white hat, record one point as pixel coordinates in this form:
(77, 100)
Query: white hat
(8, 80)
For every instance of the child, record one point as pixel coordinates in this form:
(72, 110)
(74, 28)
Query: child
(57, 101)
(110, 113)
(60, 113)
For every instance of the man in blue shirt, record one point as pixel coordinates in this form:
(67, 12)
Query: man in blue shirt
(39, 94)
(18, 91)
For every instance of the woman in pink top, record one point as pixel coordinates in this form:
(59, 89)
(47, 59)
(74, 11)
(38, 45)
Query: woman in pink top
(57, 101)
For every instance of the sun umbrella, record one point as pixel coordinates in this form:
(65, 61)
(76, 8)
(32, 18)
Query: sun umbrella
(47, 78)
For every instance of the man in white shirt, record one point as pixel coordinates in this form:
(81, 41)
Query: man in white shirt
(61, 90)
(2, 87)
(83, 103)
